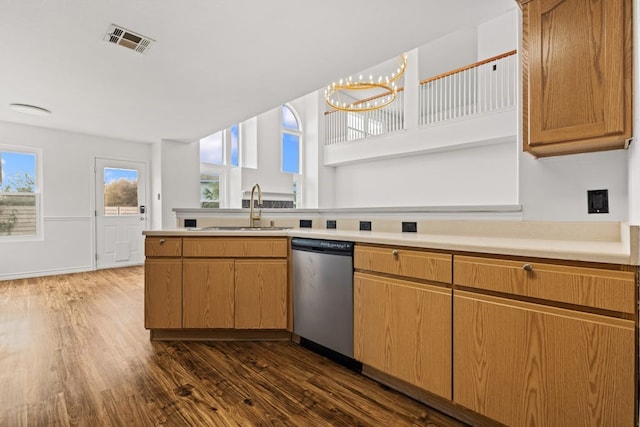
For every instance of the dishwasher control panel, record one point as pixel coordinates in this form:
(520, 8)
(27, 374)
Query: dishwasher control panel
(320, 245)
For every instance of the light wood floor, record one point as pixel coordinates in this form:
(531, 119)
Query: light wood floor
(73, 351)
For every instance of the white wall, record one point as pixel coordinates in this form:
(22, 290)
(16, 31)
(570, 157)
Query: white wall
(155, 214)
(447, 53)
(68, 196)
(498, 35)
(180, 177)
(552, 189)
(268, 173)
(465, 162)
(473, 176)
(555, 188)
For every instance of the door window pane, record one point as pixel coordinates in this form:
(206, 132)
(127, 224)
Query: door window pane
(120, 192)
(18, 208)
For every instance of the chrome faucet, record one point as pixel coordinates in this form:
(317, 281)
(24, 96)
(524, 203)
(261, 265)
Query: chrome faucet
(255, 217)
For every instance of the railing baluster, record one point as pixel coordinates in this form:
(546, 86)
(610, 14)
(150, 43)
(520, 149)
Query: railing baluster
(474, 89)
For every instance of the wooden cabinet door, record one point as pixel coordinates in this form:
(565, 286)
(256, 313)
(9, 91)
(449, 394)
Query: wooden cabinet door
(404, 329)
(163, 293)
(208, 293)
(577, 75)
(525, 364)
(261, 294)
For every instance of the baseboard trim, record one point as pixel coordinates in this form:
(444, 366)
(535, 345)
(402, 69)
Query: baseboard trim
(219, 335)
(42, 273)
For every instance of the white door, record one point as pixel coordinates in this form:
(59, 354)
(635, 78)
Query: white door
(120, 213)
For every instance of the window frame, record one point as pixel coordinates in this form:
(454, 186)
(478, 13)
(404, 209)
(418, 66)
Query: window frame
(296, 132)
(206, 168)
(223, 169)
(38, 184)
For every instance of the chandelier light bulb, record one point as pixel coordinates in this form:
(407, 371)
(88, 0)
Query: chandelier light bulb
(377, 95)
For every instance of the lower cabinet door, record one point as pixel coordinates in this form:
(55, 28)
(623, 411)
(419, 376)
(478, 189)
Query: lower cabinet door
(163, 293)
(404, 329)
(208, 293)
(525, 364)
(261, 294)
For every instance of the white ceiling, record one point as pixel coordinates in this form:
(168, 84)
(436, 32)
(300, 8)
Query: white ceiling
(214, 63)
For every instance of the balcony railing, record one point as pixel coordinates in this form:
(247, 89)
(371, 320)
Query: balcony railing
(341, 126)
(486, 86)
(483, 87)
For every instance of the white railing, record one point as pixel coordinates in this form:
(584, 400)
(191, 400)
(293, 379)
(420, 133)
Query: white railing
(483, 87)
(341, 126)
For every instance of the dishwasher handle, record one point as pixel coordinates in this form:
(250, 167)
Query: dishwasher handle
(336, 247)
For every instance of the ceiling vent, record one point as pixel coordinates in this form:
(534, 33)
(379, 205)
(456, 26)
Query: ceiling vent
(129, 39)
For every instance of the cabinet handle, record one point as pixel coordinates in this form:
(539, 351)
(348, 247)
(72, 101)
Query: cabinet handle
(162, 241)
(527, 267)
(394, 252)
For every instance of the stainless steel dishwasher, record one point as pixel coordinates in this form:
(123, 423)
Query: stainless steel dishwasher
(323, 293)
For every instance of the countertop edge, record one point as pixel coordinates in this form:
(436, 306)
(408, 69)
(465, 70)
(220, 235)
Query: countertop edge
(611, 252)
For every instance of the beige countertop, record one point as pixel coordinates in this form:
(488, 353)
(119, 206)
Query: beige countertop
(603, 243)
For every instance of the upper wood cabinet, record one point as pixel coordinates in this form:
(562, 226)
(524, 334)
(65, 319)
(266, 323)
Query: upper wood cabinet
(577, 75)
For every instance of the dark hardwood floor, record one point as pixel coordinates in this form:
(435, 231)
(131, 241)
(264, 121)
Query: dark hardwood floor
(74, 351)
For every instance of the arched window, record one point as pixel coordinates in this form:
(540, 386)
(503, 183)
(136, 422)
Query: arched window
(291, 141)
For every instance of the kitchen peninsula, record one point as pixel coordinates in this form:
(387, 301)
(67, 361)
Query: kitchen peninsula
(520, 320)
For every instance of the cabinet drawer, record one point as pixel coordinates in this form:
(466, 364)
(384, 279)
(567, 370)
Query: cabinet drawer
(404, 262)
(163, 246)
(236, 247)
(591, 287)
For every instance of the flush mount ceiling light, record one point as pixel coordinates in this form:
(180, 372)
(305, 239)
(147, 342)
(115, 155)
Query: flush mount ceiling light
(128, 39)
(30, 109)
(385, 88)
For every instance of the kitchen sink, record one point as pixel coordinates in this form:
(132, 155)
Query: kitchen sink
(238, 228)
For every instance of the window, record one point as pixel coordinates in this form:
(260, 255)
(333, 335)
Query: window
(210, 190)
(291, 138)
(235, 139)
(120, 192)
(218, 153)
(19, 195)
(212, 149)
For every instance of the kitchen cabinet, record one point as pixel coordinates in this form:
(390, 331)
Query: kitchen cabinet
(163, 283)
(402, 323)
(216, 283)
(544, 344)
(208, 293)
(261, 294)
(248, 282)
(577, 75)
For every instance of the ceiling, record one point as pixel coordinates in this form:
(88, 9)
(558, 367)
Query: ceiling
(214, 62)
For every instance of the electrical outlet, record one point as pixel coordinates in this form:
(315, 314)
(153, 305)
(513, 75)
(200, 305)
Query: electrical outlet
(365, 225)
(331, 224)
(409, 227)
(598, 201)
(305, 223)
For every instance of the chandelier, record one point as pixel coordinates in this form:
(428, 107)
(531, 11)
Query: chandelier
(384, 88)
